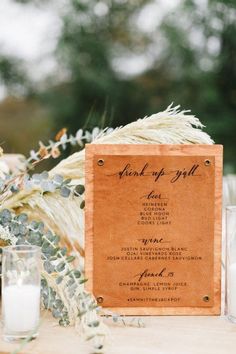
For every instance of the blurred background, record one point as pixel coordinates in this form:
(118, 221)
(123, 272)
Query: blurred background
(85, 63)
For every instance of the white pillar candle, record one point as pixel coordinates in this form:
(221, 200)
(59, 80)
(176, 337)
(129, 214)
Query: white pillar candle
(232, 290)
(21, 307)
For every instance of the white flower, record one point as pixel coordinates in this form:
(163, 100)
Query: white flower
(79, 136)
(63, 141)
(88, 136)
(34, 155)
(95, 133)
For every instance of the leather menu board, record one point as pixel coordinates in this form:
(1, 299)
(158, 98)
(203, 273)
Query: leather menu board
(153, 227)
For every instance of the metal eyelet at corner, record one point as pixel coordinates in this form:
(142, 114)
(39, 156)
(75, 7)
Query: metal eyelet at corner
(206, 298)
(100, 162)
(207, 162)
(100, 299)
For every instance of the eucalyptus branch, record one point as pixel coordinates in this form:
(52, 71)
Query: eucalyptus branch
(14, 183)
(62, 139)
(44, 183)
(61, 285)
(123, 320)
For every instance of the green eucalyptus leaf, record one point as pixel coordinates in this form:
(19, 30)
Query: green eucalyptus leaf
(67, 181)
(59, 280)
(65, 192)
(20, 240)
(49, 267)
(23, 230)
(70, 259)
(45, 246)
(63, 251)
(79, 189)
(46, 304)
(47, 186)
(49, 236)
(44, 175)
(23, 218)
(15, 229)
(115, 318)
(5, 214)
(58, 179)
(54, 252)
(34, 225)
(35, 238)
(56, 239)
(36, 178)
(99, 346)
(82, 205)
(56, 313)
(94, 324)
(64, 322)
(60, 267)
(59, 304)
(44, 283)
(14, 189)
(77, 273)
(41, 226)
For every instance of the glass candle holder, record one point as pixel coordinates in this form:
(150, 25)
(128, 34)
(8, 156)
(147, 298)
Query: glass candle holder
(230, 308)
(20, 291)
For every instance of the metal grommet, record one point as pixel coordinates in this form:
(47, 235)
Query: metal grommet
(99, 299)
(207, 162)
(206, 298)
(100, 162)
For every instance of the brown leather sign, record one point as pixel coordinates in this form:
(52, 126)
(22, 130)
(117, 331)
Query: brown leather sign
(153, 227)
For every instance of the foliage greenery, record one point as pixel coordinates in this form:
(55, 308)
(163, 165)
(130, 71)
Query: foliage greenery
(62, 279)
(62, 282)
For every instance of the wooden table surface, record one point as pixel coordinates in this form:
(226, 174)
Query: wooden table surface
(162, 335)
